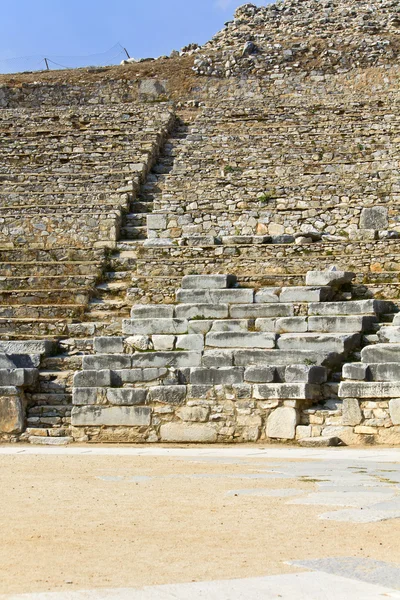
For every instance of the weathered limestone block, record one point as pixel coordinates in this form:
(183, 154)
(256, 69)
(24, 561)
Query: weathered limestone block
(303, 432)
(282, 423)
(158, 360)
(82, 396)
(188, 433)
(154, 326)
(208, 282)
(276, 357)
(100, 362)
(163, 342)
(389, 436)
(318, 342)
(381, 353)
(341, 324)
(373, 389)
(41, 347)
(352, 307)
(111, 416)
(20, 361)
(12, 410)
(375, 217)
(233, 339)
(138, 342)
(248, 311)
(195, 414)
(260, 374)
(216, 376)
(330, 277)
(18, 377)
(202, 326)
(305, 374)
(229, 296)
(232, 325)
(120, 377)
(394, 410)
(344, 433)
(108, 345)
(286, 391)
(267, 295)
(358, 371)
(384, 371)
(150, 311)
(201, 311)
(167, 394)
(305, 294)
(351, 414)
(288, 324)
(126, 396)
(86, 379)
(217, 358)
(194, 342)
(156, 221)
(389, 334)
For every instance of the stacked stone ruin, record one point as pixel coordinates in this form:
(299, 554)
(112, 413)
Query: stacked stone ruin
(166, 255)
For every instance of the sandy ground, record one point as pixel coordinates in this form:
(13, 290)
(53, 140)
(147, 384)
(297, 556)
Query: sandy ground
(82, 522)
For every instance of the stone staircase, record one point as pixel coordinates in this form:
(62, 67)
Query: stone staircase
(226, 364)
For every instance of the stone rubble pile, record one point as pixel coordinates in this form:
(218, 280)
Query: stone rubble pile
(289, 36)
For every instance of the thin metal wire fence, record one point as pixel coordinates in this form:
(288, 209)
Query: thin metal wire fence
(36, 63)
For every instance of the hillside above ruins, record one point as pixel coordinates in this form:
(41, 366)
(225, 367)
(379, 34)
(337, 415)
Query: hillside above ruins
(304, 35)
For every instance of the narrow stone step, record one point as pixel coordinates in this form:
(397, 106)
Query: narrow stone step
(50, 441)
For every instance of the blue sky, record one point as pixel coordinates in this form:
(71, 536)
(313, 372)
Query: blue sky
(65, 30)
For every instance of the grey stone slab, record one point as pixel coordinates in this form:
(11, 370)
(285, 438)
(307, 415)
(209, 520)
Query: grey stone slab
(289, 324)
(286, 391)
(93, 379)
(188, 433)
(152, 311)
(154, 326)
(194, 341)
(389, 334)
(267, 295)
(111, 416)
(156, 221)
(318, 442)
(352, 323)
(229, 296)
(351, 412)
(167, 394)
(281, 423)
(202, 311)
(324, 343)
(305, 374)
(211, 282)
(126, 396)
(166, 359)
(330, 277)
(350, 498)
(276, 357)
(305, 294)
(232, 325)
(21, 361)
(233, 339)
(381, 353)
(383, 371)
(351, 307)
(357, 371)
(217, 358)
(100, 362)
(373, 389)
(245, 311)
(394, 410)
(82, 396)
(163, 342)
(14, 377)
(216, 376)
(363, 569)
(268, 324)
(120, 377)
(202, 326)
(6, 362)
(41, 347)
(264, 374)
(108, 345)
(375, 217)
